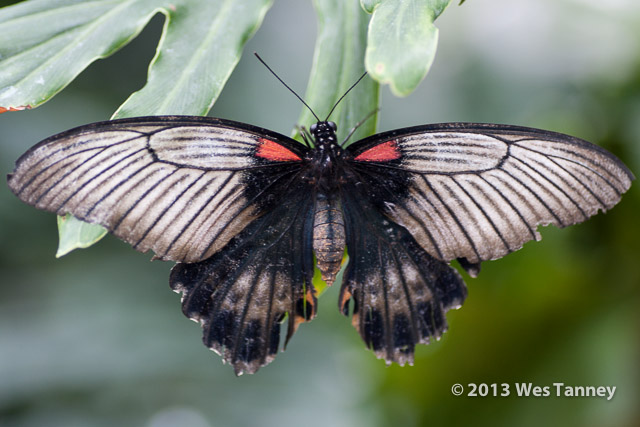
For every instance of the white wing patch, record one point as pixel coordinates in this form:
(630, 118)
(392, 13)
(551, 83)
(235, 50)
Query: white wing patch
(451, 152)
(204, 147)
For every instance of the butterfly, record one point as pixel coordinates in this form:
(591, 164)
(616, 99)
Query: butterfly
(246, 213)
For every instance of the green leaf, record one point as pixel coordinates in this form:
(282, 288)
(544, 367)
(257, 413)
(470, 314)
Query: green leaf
(47, 43)
(402, 42)
(337, 64)
(201, 45)
(369, 5)
(74, 234)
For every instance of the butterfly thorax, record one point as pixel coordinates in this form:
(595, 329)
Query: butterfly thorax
(325, 158)
(328, 226)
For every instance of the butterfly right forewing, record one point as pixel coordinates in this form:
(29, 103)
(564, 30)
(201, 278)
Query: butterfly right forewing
(478, 191)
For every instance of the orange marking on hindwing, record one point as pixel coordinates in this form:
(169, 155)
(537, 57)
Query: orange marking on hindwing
(309, 309)
(381, 153)
(271, 150)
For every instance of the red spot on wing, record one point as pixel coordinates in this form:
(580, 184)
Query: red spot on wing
(381, 153)
(271, 150)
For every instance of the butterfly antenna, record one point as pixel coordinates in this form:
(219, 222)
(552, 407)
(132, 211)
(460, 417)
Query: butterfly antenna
(287, 86)
(345, 94)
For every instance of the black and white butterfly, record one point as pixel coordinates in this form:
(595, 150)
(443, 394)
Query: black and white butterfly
(243, 210)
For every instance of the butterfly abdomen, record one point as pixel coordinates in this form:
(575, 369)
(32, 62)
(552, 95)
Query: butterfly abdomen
(328, 236)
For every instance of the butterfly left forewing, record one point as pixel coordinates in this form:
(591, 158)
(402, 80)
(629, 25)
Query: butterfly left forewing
(181, 186)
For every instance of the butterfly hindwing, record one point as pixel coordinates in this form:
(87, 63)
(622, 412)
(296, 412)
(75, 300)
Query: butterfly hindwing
(400, 293)
(476, 192)
(241, 294)
(181, 186)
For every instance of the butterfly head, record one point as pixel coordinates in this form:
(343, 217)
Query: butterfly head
(324, 132)
(325, 139)
(327, 152)
(324, 136)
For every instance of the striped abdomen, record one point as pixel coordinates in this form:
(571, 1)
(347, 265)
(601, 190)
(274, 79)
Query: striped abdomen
(328, 237)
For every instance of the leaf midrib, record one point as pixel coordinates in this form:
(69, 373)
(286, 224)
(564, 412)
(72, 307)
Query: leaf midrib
(198, 53)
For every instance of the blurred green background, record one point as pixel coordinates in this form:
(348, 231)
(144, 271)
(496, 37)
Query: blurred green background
(97, 338)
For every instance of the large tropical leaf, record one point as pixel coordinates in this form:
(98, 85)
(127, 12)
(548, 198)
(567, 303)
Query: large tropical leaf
(402, 41)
